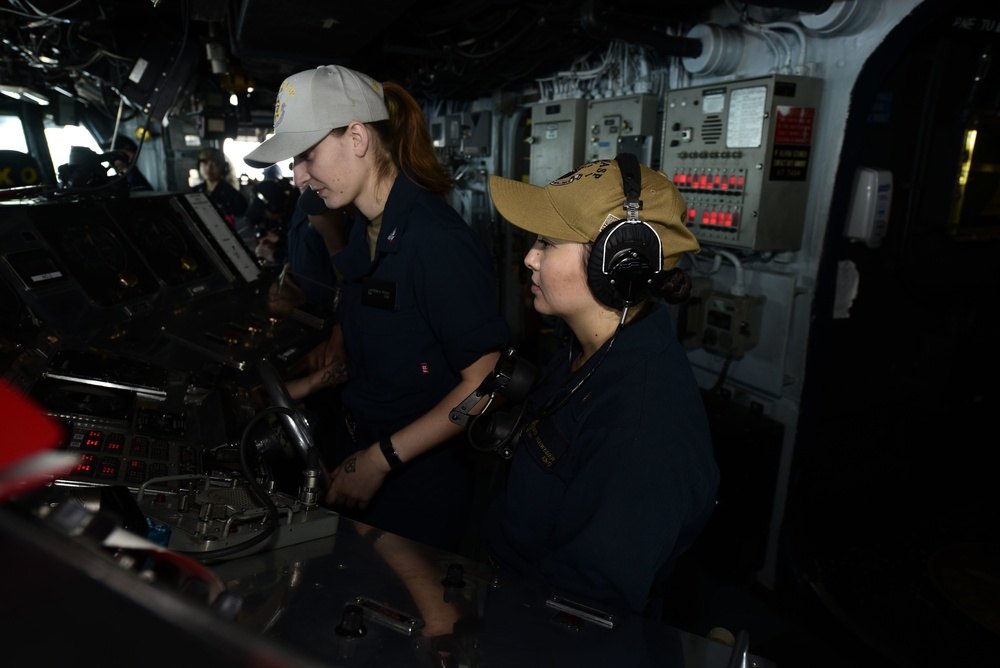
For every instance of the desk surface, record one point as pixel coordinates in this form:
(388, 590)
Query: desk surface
(299, 596)
(285, 608)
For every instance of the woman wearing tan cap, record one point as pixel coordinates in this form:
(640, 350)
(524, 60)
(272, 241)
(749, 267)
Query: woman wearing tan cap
(613, 475)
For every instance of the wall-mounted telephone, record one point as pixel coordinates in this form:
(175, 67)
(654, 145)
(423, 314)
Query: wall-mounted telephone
(871, 199)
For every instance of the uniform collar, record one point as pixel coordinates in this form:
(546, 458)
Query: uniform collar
(394, 218)
(354, 261)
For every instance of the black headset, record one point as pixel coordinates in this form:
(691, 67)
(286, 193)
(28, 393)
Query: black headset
(215, 155)
(512, 379)
(627, 257)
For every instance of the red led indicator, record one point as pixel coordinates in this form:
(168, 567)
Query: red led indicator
(92, 441)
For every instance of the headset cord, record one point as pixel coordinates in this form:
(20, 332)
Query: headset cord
(546, 412)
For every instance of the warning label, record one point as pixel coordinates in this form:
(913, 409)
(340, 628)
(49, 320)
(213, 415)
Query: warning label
(789, 163)
(793, 125)
(793, 130)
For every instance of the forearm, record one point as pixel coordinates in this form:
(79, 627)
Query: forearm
(359, 477)
(435, 426)
(332, 375)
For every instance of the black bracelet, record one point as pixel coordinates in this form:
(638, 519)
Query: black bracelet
(389, 451)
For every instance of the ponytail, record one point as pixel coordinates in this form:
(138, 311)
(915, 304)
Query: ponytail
(408, 140)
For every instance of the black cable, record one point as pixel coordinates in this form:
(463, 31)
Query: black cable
(547, 411)
(272, 509)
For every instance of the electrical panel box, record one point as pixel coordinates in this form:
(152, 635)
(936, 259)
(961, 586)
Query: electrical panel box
(557, 136)
(465, 132)
(740, 153)
(621, 124)
(732, 323)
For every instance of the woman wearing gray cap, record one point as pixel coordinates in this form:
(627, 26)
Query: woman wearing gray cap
(613, 475)
(418, 316)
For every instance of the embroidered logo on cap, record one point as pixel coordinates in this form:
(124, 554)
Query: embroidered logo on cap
(579, 173)
(285, 92)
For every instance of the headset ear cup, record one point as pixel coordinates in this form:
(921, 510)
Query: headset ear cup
(490, 431)
(501, 427)
(630, 254)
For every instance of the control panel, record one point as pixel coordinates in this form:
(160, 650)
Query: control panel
(557, 138)
(80, 265)
(128, 421)
(739, 152)
(621, 124)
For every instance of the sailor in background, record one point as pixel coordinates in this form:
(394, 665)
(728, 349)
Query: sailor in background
(219, 185)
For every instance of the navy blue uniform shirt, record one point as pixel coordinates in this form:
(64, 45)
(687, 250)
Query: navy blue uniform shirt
(412, 319)
(603, 495)
(418, 314)
(228, 201)
(309, 260)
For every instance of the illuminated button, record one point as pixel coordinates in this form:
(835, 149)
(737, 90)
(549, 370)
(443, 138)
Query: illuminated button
(717, 181)
(108, 468)
(703, 181)
(115, 443)
(140, 446)
(729, 219)
(92, 440)
(86, 466)
(135, 471)
(741, 181)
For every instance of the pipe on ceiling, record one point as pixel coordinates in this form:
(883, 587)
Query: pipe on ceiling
(610, 27)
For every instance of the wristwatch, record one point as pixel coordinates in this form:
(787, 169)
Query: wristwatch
(389, 452)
